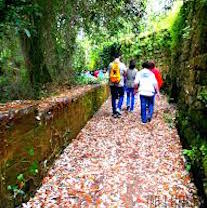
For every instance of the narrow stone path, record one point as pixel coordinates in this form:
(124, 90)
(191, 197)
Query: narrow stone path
(120, 163)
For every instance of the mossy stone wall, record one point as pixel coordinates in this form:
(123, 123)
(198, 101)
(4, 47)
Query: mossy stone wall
(181, 55)
(29, 146)
(187, 80)
(189, 67)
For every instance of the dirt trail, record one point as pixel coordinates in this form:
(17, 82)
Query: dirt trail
(118, 162)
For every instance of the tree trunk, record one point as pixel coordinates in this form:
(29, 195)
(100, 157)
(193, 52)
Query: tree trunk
(33, 50)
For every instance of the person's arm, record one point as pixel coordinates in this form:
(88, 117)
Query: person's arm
(109, 69)
(157, 90)
(125, 70)
(156, 86)
(136, 83)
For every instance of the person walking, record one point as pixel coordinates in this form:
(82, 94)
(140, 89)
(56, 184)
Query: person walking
(117, 71)
(130, 78)
(147, 86)
(157, 73)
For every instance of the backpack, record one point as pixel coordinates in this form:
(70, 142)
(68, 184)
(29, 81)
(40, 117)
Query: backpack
(115, 75)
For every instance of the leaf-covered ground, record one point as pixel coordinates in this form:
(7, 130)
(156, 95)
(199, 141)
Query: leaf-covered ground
(120, 163)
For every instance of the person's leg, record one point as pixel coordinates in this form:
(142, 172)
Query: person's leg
(132, 99)
(128, 98)
(147, 106)
(151, 107)
(143, 108)
(121, 97)
(113, 98)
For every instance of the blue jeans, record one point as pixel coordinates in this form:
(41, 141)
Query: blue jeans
(117, 93)
(147, 101)
(130, 97)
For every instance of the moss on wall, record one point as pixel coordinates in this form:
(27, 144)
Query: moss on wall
(188, 77)
(32, 146)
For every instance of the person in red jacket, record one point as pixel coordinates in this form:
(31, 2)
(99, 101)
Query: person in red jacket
(95, 73)
(156, 73)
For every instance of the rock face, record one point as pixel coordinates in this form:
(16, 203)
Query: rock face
(181, 55)
(186, 81)
(188, 75)
(33, 135)
(156, 47)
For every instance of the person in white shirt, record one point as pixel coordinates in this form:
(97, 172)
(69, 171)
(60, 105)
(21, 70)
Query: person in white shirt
(147, 86)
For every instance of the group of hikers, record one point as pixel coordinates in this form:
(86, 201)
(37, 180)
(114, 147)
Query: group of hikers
(146, 82)
(97, 74)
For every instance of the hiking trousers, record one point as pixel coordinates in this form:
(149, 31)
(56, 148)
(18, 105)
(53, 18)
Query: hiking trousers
(147, 102)
(130, 98)
(117, 93)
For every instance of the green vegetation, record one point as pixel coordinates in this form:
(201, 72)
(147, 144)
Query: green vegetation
(19, 189)
(51, 42)
(188, 87)
(169, 120)
(194, 157)
(203, 97)
(39, 41)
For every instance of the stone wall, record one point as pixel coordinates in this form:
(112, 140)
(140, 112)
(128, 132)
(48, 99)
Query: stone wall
(181, 55)
(32, 136)
(188, 75)
(156, 47)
